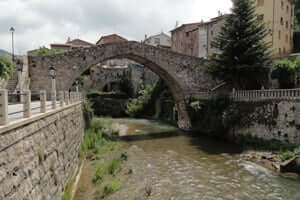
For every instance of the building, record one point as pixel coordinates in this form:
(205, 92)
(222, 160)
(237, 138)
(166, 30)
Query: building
(278, 16)
(195, 39)
(185, 39)
(160, 40)
(113, 38)
(71, 44)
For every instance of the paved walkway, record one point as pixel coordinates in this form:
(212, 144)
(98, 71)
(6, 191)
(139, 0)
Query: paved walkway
(15, 111)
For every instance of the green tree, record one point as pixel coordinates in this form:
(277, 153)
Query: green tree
(7, 67)
(243, 57)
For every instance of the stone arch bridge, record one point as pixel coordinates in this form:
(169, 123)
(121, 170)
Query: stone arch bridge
(183, 74)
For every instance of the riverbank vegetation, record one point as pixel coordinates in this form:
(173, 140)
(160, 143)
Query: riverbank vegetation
(103, 151)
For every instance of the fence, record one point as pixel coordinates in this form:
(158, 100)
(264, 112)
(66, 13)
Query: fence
(9, 112)
(256, 95)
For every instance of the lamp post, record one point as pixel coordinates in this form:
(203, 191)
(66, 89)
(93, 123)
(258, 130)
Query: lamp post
(12, 30)
(77, 86)
(20, 70)
(52, 74)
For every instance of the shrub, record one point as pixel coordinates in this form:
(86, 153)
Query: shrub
(7, 68)
(284, 71)
(43, 51)
(286, 155)
(115, 166)
(111, 187)
(88, 113)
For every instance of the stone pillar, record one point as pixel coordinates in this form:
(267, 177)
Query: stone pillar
(53, 96)
(184, 121)
(43, 98)
(27, 104)
(67, 97)
(61, 98)
(3, 107)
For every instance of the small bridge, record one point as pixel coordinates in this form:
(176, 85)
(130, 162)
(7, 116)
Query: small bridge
(183, 74)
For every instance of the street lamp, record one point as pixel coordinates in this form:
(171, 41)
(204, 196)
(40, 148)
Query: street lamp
(52, 74)
(20, 70)
(12, 30)
(77, 86)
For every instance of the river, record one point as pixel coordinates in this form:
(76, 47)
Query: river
(204, 168)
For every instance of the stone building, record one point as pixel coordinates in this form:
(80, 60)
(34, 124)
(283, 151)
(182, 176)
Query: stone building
(160, 40)
(195, 39)
(71, 44)
(113, 38)
(278, 16)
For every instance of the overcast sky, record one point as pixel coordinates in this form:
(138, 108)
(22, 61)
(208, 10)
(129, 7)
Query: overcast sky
(41, 22)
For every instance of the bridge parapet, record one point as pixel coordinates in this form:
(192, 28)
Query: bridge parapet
(11, 113)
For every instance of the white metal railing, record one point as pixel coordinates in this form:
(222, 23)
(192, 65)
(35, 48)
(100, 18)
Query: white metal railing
(255, 95)
(65, 98)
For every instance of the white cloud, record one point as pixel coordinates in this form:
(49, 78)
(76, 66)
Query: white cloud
(41, 22)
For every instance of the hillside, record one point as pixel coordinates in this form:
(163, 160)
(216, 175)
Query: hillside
(4, 52)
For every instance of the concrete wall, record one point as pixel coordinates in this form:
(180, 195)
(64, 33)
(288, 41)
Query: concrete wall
(278, 120)
(38, 156)
(3, 83)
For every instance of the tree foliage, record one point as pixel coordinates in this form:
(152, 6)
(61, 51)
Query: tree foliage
(243, 56)
(7, 67)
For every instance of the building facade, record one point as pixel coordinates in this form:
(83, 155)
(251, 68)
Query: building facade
(195, 39)
(278, 16)
(160, 40)
(71, 44)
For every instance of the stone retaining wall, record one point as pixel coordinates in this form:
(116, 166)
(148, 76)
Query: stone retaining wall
(37, 159)
(269, 120)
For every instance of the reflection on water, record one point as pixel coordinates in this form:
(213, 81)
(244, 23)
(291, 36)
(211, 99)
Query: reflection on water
(216, 165)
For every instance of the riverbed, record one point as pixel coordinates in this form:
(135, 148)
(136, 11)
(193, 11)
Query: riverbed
(173, 165)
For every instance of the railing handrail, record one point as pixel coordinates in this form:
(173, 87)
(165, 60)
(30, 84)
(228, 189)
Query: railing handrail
(65, 98)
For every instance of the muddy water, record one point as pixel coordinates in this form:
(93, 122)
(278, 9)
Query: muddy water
(209, 169)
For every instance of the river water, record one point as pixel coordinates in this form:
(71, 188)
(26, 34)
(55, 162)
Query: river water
(211, 169)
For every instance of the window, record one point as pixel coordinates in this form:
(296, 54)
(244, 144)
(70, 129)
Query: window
(286, 24)
(260, 17)
(282, 5)
(281, 21)
(287, 9)
(260, 2)
(279, 35)
(279, 51)
(284, 51)
(187, 34)
(287, 38)
(212, 32)
(157, 41)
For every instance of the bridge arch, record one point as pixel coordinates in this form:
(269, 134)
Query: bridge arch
(177, 70)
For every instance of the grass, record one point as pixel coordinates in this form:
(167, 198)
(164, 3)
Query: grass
(111, 187)
(68, 190)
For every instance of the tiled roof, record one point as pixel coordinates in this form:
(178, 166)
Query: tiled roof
(111, 39)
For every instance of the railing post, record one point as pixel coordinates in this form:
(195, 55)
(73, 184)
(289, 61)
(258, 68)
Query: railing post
(67, 97)
(43, 97)
(53, 96)
(27, 104)
(3, 107)
(61, 98)
(72, 97)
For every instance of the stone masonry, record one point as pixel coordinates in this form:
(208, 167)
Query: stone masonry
(183, 74)
(37, 158)
(271, 120)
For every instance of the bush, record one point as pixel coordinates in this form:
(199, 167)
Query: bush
(136, 106)
(43, 51)
(7, 67)
(88, 113)
(284, 71)
(286, 155)
(111, 187)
